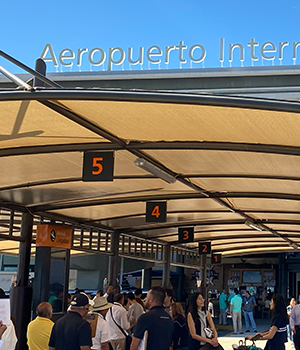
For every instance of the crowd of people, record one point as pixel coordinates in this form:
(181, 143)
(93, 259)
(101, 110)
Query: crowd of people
(123, 321)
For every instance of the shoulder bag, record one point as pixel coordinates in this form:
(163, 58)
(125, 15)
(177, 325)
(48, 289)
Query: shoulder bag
(207, 330)
(127, 337)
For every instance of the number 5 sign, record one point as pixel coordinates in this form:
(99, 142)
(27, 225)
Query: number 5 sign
(98, 166)
(156, 211)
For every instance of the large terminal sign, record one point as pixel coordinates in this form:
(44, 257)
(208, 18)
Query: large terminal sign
(156, 55)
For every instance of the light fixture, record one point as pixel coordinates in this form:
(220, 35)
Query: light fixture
(154, 170)
(252, 224)
(293, 245)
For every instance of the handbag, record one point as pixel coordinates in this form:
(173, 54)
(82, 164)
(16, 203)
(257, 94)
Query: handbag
(243, 346)
(128, 338)
(208, 331)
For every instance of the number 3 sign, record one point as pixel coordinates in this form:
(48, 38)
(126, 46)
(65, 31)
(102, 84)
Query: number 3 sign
(185, 234)
(98, 166)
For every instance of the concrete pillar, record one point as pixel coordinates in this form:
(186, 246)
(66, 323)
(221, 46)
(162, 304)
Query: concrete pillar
(166, 267)
(146, 278)
(113, 265)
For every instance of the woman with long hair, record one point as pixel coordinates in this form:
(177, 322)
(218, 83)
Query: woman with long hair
(180, 339)
(277, 334)
(198, 321)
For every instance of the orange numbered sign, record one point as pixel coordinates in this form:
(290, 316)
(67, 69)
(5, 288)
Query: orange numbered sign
(204, 247)
(156, 211)
(98, 166)
(216, 258)
(185, 234)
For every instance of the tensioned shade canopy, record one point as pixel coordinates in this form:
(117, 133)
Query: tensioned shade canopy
(236, 162)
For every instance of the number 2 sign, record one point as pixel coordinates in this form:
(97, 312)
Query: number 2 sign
(204, 247)
(98, 166)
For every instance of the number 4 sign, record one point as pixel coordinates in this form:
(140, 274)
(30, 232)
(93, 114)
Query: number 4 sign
(156, 211)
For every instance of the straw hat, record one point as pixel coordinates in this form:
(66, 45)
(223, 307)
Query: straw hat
(100, 303)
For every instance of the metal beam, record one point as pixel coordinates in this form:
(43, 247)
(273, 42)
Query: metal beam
(216, 195)
(30, 70)
(45, 149)
(152, 97)
(155, 145)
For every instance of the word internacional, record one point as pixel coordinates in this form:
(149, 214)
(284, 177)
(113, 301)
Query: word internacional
(156, 55)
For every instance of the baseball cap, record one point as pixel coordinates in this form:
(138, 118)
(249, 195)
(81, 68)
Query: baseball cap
(80, 299)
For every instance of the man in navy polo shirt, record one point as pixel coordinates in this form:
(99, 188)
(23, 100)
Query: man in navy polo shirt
(72, 332)
(156, 322)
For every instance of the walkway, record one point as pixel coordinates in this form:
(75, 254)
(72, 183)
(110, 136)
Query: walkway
(227, 338)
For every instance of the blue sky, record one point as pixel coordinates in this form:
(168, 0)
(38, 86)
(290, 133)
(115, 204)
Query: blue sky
(27, 26)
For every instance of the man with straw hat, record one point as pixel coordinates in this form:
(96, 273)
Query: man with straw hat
(101, 338)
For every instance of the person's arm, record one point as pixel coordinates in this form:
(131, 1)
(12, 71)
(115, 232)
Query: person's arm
(3, 328)
(50, 348)
(104, 346)
(292, 320)
(85, 347)
(231, 309)
(270, 334)
(192, 329)
(135, 343)
(124, 320)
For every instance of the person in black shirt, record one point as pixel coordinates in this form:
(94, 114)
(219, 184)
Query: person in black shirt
(72, 332)
(277, 334)
(156, 322)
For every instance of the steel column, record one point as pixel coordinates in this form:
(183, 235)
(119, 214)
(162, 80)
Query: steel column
(41, 276)
(113, 267)
(21, 295)
(166, 267)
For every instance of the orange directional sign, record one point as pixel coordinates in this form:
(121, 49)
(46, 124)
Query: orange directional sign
(54, 236)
